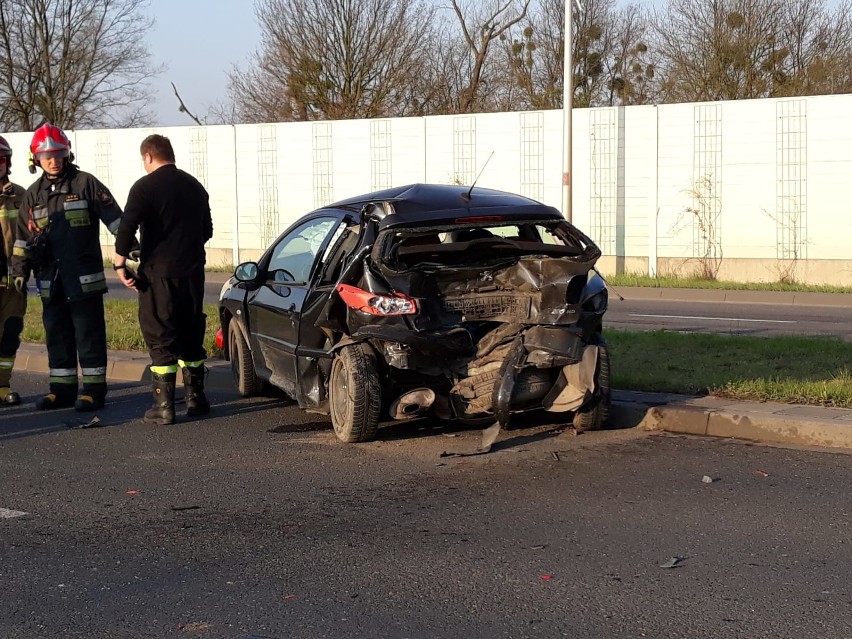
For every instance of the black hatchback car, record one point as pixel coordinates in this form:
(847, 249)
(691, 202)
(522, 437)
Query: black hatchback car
(463, 303)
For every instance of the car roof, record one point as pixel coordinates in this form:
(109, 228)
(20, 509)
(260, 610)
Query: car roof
(434, 203)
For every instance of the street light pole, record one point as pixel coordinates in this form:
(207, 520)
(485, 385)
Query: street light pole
(567, 104)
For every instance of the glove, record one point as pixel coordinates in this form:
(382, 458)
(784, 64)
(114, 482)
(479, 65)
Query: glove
(20, 283)
(134, 255)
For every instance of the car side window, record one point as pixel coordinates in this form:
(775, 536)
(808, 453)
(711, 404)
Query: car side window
(293, 257)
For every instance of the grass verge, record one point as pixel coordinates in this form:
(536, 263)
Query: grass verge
(635, 279)
(801, 370)
(122, 323)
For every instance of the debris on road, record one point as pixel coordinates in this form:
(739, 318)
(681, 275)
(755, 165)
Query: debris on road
(707, 479)
(547, 577)
(674, 562)
(6, 513)
(195, 626)
(79, 423)
(132, 492)
(761, 473)
(489, 436)
(555, 455)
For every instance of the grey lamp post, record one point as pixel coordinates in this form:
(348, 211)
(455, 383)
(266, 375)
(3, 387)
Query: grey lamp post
(567, 104)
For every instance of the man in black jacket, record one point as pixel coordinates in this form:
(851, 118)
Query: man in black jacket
(172, 210)
(57, 236)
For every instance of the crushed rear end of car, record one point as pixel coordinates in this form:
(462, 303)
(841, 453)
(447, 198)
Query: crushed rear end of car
(478, 317)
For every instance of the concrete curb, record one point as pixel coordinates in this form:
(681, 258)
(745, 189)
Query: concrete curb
(764, 422)
(123, 366)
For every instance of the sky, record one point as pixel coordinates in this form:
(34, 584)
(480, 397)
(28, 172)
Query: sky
(199, 41)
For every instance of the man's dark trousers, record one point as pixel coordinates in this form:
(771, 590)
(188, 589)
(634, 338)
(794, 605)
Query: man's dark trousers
(171, 316)
(75, 329)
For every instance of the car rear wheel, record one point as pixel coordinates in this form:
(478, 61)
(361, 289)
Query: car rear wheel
(355, 394)
(594, 416)
(242, 364)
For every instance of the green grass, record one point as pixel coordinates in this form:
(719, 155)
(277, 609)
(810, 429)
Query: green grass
(122, 326)
(636, 279)
(805, 370)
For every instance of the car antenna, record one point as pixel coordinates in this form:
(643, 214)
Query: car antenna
(466, 196)
(595, 269)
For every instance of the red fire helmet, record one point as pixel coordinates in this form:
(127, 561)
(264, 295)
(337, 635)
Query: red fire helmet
(49, 139)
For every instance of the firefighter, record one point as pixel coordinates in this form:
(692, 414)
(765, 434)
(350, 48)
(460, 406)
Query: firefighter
(58, 237)
(172, 209)
(13, 297)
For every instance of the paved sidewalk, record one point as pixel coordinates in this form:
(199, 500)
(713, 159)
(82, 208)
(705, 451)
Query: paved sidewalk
(767, 422)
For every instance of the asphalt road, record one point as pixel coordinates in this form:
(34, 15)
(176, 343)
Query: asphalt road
(732, 318)
(256, 523)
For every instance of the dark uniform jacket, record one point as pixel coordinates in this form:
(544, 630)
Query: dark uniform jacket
(10, 202)
(65, 212)
(172, 210)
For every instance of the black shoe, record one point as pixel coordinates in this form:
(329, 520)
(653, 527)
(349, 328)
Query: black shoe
(87, 403)
(51, 401)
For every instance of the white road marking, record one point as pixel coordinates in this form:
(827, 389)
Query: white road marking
(5, 513)
(715, 319)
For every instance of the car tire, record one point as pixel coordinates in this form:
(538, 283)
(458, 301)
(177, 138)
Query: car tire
(355, 394)
(242, 364)
(594, 415)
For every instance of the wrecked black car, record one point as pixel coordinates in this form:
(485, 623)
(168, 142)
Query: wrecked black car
(462, 303)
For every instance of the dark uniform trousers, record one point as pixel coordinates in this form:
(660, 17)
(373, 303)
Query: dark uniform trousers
(69, 326)
(172, 318)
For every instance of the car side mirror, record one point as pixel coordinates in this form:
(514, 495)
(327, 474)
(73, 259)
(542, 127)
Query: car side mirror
(247, 272)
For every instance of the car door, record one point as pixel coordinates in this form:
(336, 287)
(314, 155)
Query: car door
(275, 307)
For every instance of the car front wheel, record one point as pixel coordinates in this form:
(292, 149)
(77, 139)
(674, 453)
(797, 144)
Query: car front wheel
(242, 364)
(355, 394)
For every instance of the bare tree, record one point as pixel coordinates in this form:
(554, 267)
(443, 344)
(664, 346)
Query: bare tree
(76, 63)
(819, 45)
(631, 64)
(482, 23)
(333, 59)
(720, 49)
(537, 56)
(610, 55)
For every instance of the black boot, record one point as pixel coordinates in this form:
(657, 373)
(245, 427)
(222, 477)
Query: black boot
(193, 385)
(92, 397)
(60, 396)
(163, 390)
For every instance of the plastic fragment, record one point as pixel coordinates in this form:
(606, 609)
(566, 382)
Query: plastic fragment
(762, 473)
(674, 562)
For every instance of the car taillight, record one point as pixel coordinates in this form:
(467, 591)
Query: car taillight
(220, 340)
(375, 304)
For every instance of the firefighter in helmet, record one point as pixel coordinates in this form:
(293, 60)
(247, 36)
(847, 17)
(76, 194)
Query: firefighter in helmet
(13, 298)
(58, 238)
